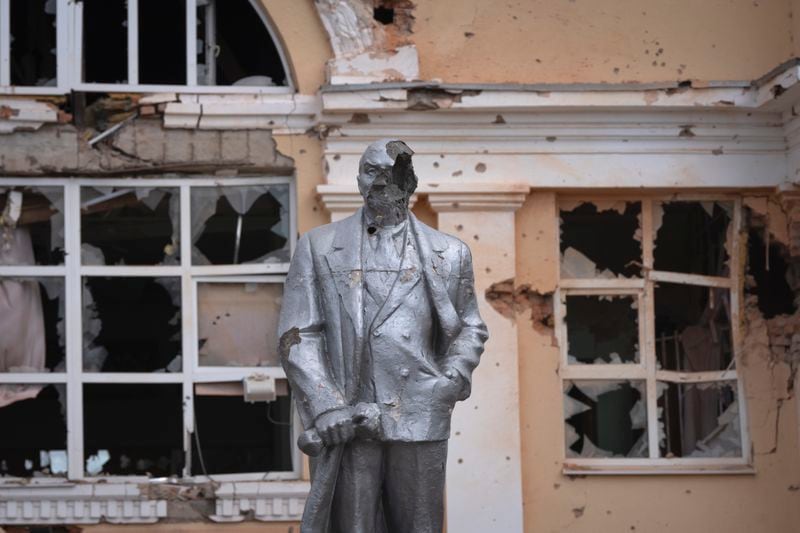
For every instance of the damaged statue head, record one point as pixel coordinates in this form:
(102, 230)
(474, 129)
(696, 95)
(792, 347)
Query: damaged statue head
(379, 336)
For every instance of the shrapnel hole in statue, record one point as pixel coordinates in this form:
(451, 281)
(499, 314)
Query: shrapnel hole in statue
(379, 336)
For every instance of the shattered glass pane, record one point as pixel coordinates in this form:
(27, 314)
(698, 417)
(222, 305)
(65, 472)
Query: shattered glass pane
(162, 42)
(32, 25)
(240, 224)
(133, 429)
(31, 226)
(105, 41)
(238, 323)
(235, 436)
(130, 226)
(235, 47)
(699, 420)
(32, 324)
(605, 418)
(131, 324)
(601, 239)
(691, 237)
(34, 441)
(693, 328)
(602, 329)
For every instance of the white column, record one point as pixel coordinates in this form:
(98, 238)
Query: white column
(484, 478)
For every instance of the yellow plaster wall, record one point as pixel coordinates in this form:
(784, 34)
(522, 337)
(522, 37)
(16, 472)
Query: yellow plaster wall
(611, 41)
(303, 40)
(307, 154)
(767, 502)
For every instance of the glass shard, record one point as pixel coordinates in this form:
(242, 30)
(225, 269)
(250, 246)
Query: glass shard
(601, 240)
(238, 323)
(602, 329)
(699, 420)
(693, 328)
(131, 324)
(605, 418)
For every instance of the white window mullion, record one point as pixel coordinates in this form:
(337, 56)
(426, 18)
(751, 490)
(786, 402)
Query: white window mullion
(133, 42)
(63, 39)
(5, 43)
(191, 43)
(74, 331)
(649, 348)
(188, 326)
(75, 52)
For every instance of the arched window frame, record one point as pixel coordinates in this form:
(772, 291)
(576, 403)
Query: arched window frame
(69, 38)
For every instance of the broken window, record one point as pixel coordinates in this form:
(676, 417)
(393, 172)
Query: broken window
(602, 328)
(130, 226)
(31, 226)
(151, 324)
(32, 27)
(34, 442)
(105, 41)
(232, 436)
(692, 237)
(236, 225)
(238, 323)
(133, 429)
(676, 402)
(131, 324)
(699, 420)
(693, 328)
(235, 46)
(605, 418)
(600, 239)
(32, 325)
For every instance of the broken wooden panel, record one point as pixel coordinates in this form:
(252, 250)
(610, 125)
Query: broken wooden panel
(32, 314)
(162, 42)
(105, 41)
(130, 225)
(131, 324)
(240, 224)
(605, 418)
(600, 240)
(133, 429)
(32, 28)
(238, 323)
(699, 420)
(235, 47)
(232, 436)
(34, 441)
(31, 225)
(602, 329)
(693, 328)
(692, 237)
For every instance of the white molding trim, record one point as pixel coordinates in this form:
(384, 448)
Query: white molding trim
(78, 504)
(268, 502)
(477, 197)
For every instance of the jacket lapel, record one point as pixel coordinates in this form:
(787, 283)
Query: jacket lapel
(344, 262)
(436, 270)
(407, 279)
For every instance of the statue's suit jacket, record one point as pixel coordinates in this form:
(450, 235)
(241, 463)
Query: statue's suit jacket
(324, 338)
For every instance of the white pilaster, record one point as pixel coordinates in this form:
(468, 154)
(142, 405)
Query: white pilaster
(484, 480)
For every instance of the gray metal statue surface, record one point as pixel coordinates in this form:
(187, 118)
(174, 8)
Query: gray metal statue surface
(380, 333)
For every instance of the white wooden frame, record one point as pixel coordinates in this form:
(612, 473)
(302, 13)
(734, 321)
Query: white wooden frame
(647, 370)
(69, 60)
(73, 272)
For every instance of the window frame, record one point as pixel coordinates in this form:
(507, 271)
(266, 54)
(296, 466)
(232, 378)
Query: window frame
(73, 272)
(69, 56)
(646, 370)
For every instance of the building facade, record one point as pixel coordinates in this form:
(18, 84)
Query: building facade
(625, 173)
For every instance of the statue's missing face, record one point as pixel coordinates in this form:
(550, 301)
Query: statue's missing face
(386, 180)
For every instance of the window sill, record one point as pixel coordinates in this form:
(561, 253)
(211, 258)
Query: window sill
(657, 467)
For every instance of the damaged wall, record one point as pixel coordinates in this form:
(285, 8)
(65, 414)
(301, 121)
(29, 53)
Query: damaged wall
(610, 41)
(766, 501)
